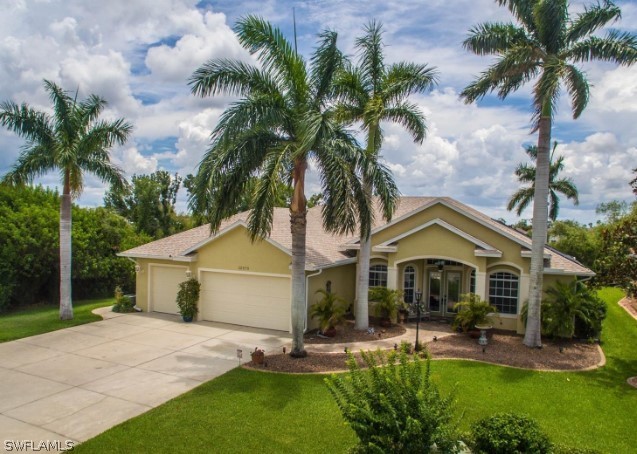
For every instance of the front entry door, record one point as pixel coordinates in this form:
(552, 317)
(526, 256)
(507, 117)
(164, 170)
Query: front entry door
(452, 296)
(444, 291)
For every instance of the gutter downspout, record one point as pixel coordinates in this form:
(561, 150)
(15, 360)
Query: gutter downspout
(307, 293)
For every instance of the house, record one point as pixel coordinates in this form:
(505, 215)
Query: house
(433, 244)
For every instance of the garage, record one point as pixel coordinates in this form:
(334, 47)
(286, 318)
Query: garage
(164, 284)
(249, 299)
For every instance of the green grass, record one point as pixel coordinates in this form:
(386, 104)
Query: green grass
(41, 319)
(244, 411)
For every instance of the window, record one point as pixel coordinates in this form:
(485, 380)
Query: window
(472, 282)
(378, 276)
(409, 283)
(503, 292)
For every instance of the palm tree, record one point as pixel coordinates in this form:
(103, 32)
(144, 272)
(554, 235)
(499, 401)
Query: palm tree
(371, 93)
(283, 119)
(545, 45)
(526, 174)
(72, 141)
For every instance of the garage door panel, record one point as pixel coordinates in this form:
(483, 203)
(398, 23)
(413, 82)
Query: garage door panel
(245, 299)
(164, 287)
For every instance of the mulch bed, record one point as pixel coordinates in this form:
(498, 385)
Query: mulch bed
(347, 334)
(504, 348)
(630, 305)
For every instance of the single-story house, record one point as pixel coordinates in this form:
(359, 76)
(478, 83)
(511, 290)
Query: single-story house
(433, 244)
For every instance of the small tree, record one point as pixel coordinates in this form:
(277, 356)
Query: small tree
(566, 303)
(388, 302)
(188, 298)
(394, 407)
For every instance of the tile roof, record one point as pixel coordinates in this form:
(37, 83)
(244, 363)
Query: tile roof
(323, 248)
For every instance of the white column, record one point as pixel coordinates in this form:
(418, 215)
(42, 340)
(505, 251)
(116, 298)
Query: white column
(481, 285)
(392, 277)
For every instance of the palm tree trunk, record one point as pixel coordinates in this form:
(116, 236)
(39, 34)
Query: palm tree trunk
(365, 252)
(362, 281)
(533, 334)
(298, 224)
(66, 306)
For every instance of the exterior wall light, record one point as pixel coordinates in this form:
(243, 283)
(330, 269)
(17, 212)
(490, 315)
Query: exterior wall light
(188, 274)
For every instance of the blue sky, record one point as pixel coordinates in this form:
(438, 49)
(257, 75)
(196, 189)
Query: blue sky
(139, 54)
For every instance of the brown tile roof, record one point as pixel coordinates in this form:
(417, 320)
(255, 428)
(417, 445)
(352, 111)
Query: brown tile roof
(324, 249)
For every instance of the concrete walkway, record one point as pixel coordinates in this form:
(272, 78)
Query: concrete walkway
(75, 383)
(72, 384)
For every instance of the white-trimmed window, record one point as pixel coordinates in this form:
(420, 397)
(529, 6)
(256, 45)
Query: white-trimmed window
(378, 275)
(503, 292)
(409, 283)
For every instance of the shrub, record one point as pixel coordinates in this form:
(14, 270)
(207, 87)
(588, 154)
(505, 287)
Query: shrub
(330, 310)
(122, 302)
(565, 304)
(394, 407)
(508, 433)
(472, 311)
(188, 297)
(388, 302)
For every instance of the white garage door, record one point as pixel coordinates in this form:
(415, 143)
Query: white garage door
(246, 299)
(164, 285)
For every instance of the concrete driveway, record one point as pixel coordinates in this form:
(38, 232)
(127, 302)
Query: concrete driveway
(75, 383)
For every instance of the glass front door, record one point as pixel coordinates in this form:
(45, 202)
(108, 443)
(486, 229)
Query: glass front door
(444, 291)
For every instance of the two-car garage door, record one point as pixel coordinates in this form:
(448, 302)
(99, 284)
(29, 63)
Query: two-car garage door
(249, 299)
(258, 300)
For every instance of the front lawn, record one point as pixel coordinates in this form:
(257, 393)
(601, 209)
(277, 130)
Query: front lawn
(246, 411)
(41, 319)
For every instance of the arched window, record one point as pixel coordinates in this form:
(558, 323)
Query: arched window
(378, 275)
(503, 292)
(409, 283)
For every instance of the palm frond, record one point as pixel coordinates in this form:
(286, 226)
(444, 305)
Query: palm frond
(34, 161)
(617, 47)
(525, 173)
(551, 19)
(578, 89)
(522, 198)
(275, 53)
(494, 38)
(371, 62)
(592, 19)
(33, 125)
(404, 78)
(522, 10)
(410, 117)
(232, 77)
(327, 62)
(546, 91)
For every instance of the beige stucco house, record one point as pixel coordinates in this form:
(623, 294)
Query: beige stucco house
(433, 244)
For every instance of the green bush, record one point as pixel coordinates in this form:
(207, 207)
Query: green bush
(394, 406)
(122, 302)
(330, 310)
(188, 297)
(472, 311)
(508, 433)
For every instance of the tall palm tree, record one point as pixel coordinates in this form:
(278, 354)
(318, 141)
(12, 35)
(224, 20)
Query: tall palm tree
(370, 93)
(283, 119)
(72, 141)
(523, 197)
(544, 46)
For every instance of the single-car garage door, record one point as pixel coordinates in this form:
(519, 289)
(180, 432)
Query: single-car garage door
(164, 285)
(262, 301)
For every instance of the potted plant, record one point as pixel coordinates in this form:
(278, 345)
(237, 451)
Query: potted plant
(188, 298)
(388, 303)
(330, 311)
(472, 311)
(258, 355)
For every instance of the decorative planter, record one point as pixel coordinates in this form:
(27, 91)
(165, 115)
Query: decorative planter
(258, 356)
(187, 318)
(330, 332)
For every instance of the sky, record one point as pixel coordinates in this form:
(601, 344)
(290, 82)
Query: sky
(139, 54)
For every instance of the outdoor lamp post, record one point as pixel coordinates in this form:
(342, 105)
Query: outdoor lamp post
(418, 308)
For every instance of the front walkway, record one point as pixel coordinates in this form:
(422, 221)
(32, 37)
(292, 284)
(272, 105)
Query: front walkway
(75, 383)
